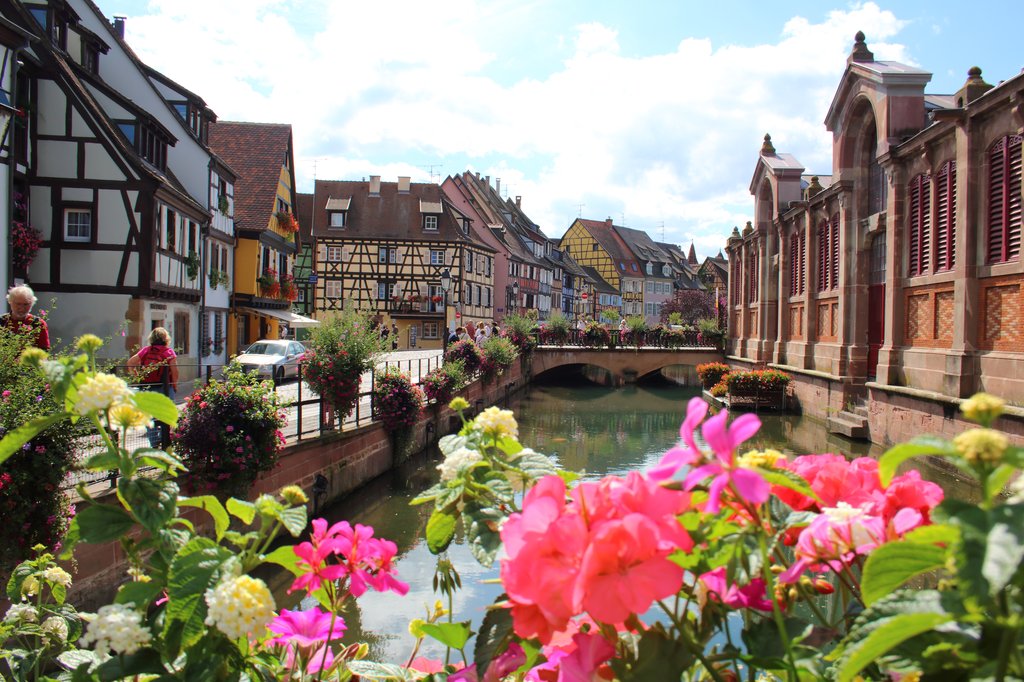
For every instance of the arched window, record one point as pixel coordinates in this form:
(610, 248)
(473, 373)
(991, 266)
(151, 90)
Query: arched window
(919, 224)
(945, 217)
(1004, 177)
(752, 264)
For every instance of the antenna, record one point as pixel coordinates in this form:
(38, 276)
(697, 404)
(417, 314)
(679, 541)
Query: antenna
(580, 207)
(430, 169)
(662, 230)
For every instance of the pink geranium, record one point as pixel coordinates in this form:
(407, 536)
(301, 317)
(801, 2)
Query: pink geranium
(305, 628)
(581, 660)
(834, 538)
(725, 473)
(686, 454)
(751, 595)
(344, 551)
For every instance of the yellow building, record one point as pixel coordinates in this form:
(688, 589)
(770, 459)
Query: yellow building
(594, 244)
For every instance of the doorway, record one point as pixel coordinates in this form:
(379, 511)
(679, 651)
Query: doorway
(876, 303)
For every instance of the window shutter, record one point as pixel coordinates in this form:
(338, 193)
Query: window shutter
(1013, 212)
(794, 262)
(823, 237)
(945, 217)
(803, 259)
(834, 280)
(1004, 201)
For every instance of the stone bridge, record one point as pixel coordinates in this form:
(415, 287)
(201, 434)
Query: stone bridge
(625, 365)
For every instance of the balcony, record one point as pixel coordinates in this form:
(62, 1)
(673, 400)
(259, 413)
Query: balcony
(428, 308)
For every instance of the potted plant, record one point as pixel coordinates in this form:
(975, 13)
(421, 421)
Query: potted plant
(397, 402)
(222, 204)
(270, 286)
(192, 265)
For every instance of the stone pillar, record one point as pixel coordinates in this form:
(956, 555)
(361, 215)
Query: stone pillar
(962, 370)
(888, 369)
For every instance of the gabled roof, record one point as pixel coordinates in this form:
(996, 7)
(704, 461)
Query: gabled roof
(600, 285)
(603, 231)
(388, 215)
(719, 265)
(571, 266)
(304, 214)
(643, 248)
(257, 152)
(502, 218)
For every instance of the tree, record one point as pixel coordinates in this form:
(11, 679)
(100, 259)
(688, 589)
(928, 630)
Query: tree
(691, 304)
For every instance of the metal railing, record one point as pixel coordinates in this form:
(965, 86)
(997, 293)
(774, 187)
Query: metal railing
(625, 340)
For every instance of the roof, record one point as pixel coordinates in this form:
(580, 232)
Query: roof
(604, 233)
(600, 285)
(256, 151)
(642, 246)
(388, 215)
(500, 216)
(304, 214)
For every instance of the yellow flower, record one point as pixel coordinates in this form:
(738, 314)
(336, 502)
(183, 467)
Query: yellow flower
(982, 408)
(756, 458)
(459, 404)
(88, 343)
(100, 392)
(30, 586)
(293, 494)
(498, 423)
(126, 416)
(33, 356)
(981, 445)
(240, 606)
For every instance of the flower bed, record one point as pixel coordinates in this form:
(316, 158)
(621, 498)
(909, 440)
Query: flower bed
(710, 373)
(441, 383)
(596, 336)
(757, 382)
(466, 352)
(396, 401)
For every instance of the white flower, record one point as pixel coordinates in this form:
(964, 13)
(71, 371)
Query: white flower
(57, 628)
(100, 392)
(56, 574)
(456, 462)
(25, 612)
(117, 628)
(497, 422)
(240, 606)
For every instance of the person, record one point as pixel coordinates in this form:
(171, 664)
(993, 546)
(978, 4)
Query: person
(622, 325)
(581, 324)
(20, 320)
(460, 332)
(394, 336)
(162, 378)
(470, 331)
(481, 333)
(453, 336)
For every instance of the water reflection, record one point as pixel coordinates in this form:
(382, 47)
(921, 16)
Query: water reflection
(592, 429)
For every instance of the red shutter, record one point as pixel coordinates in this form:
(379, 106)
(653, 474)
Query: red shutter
(823, 255)
(834, 281)
(926, 224)
(996, 194)
(914, 226)
(794, 262)
(803, 261)
(945, 217)
(1013, 210)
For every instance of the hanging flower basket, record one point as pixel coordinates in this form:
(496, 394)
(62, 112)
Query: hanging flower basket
(25, 243)
(270, 286)
(287, 222)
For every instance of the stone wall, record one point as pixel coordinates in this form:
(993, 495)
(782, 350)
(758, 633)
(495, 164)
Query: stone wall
(347, 459)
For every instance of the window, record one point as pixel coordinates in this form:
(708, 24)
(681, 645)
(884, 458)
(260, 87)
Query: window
(387, 254)
(77, 225)
(797, 245)
(334, 254)
(650, 287)
(336, 219)
(385, 290)
(650, 268)
(754, 276)
(489, 300)
(1004, 205)
(430, 223)
(430, 330)
(170, 220)
(919, 224)
(332, 289)
(945, 217)
(828, 254)
(436, 257)
(633, 265)
(593, 247)
(469, 261)
(490, 263)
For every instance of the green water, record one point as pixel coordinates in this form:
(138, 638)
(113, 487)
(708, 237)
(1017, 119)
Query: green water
(593, 429)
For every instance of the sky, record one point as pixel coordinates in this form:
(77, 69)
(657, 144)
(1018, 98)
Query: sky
(649, 112)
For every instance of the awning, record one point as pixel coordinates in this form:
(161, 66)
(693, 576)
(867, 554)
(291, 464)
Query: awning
(286, 316)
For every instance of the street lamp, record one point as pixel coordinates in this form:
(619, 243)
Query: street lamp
(446, 284)
(515, 296)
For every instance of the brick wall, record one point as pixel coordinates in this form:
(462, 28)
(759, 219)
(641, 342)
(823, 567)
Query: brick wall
(929, 316)
(1001, 314)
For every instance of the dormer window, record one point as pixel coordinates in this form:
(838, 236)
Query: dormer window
(336, 220)
(150, 145)
(666, 270)
(430, 210)
(337, 213)
(55, 20)
(430, 223)
(650, 268)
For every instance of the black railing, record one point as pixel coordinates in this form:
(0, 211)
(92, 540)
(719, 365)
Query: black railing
(675, 339)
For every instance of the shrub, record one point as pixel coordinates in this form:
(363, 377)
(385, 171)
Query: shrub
(596, 336)
(557, 330)
(34, 509)
(709, 332)
(721, 389)
(710, 373)
(467, 353)
(498, 354)
(519, 330)
(441, 383)
(229, 432)
(758, 381)
(688, 306)
(636, 330)
(341, 349)
(611, 315)
(396, 401)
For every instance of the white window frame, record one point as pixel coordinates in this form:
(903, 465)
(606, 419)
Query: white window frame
(68, 237)
(388, 290)
(331, 220)
(430, 223)
(431, 330)
(437, 256)
(332, 289)
(334, 254)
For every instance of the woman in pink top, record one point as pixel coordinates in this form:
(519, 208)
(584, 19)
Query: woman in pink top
(162, 378)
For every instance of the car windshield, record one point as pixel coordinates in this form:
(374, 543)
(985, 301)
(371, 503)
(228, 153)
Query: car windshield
(266, 348)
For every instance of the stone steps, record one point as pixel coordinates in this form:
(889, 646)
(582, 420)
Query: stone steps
(852, 423)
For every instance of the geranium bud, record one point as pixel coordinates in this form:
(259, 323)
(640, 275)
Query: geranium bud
(823, 586)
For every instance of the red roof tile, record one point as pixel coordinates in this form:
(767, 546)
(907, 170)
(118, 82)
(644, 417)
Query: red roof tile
(256, 151)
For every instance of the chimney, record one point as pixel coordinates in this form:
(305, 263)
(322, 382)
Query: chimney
(374, 185)
(608, 223)
(119, 25)
(519, 202)
(497, 186)
(403, 184)
(487, 180)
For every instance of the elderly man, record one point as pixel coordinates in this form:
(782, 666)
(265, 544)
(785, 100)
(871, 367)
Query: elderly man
(21, 321)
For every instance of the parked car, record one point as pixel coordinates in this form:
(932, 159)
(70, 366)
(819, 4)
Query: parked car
(275, 359)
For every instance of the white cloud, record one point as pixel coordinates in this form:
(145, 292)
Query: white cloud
(386, 88)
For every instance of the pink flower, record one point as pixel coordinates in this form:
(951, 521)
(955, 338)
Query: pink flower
(834, 538)
(678, 456)
(578, 661)
(305, 628)
(366, 561)
(745, 483)
(736, 597)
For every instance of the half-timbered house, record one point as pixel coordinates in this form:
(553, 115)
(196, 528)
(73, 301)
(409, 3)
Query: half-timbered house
(305, 273)
(383, 248)
(116, 180)
(266, 228)
(594, 243)
(13, 39)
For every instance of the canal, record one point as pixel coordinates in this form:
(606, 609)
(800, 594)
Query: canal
(588, 428)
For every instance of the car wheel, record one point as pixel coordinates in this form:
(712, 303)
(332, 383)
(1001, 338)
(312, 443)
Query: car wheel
(279, 375)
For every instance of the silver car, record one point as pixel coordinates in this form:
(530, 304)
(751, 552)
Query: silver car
(275, 359)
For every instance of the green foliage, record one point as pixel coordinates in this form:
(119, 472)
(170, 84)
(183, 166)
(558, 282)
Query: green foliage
(757, 381)
(498, 355)
(467, 354)
(396, 401)
(710, 331)
(340, 350)
(612, 315)
(229, 432)
(441, 383)
(520, 331)
(556, 330)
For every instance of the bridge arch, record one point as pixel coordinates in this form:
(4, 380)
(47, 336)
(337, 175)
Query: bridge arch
(623, 364)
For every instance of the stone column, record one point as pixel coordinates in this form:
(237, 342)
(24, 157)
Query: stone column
(962, 370)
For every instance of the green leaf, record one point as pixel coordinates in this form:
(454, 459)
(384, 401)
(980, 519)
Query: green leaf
(213, 507)
(284, 556)
(763, 641)
(102, 461)
(293, 519)
(427, 495)
(535, 465)
(886, 637)
(659, 657)
(158, 406)
(891, 565)
(138, 593)
(788, 479)
(897, 455)
(152, 501)
(242, 510)
(102, 522)
(440, 531)
(194, 569)
(997, 480)
(454, 635)
(1004, 547)
(495, 631)
(934, 533)
(142, 662)
(12, 442)
(371, 670)
(160, 459)
(481, 524)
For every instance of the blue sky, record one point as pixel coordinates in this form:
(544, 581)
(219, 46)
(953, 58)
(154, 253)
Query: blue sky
(650, 113)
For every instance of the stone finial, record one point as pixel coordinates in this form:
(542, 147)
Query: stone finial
(814, 187)
(767, 148)
(735, 234)
(973, 88)
(860, 52)
(748, 229)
